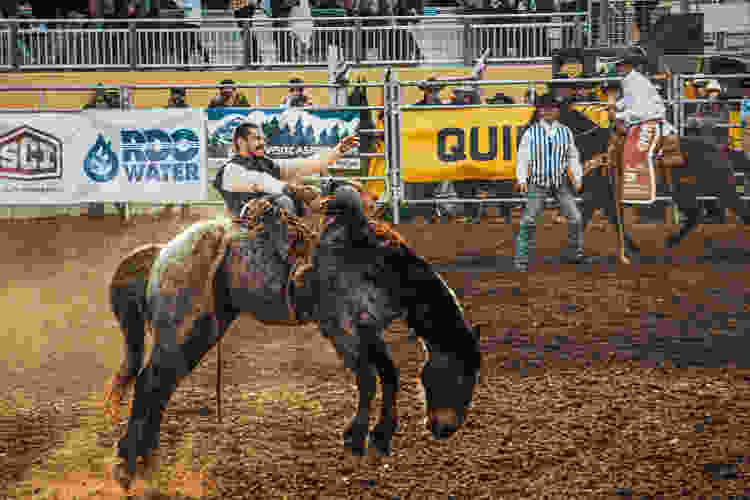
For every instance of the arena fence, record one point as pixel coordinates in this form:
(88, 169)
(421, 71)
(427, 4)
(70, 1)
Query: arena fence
(395, 159)
(300, 42)
(129, 92)
(674, 100)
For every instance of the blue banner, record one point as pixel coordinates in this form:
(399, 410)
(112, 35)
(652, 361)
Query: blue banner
(290, 133)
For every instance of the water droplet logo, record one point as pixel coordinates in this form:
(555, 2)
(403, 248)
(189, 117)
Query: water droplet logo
(101, 162)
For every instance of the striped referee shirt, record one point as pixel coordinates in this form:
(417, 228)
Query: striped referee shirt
(545, 153)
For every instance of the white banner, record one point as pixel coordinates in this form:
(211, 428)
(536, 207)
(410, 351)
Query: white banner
(103, 156)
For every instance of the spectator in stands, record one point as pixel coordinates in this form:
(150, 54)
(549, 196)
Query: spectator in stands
(706, 121)
(247, 11)
(466, 96)
(229, 97)
(104, 99)
(430, 92)
(285, 40)
(500, 98)
(426, 190)
(563, 91)
(296, 97)
(585, 90)
(177, 98)
(710, 114)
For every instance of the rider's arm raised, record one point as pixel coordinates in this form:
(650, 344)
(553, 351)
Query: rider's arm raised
(293, 170)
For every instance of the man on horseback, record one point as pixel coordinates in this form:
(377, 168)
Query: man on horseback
(641, 108)
(250, 174)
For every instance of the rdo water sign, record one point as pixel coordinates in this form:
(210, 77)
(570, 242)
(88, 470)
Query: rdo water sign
(147, 156)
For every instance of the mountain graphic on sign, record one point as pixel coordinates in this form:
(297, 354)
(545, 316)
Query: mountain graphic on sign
(289, 128)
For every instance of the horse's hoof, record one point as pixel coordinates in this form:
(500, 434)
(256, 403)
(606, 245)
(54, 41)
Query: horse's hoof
(355, 440)
(122, 476)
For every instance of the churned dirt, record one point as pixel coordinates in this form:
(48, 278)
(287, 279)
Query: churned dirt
(599, 381)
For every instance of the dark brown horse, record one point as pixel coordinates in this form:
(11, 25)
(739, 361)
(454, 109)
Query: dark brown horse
(360, 277)
(706, 171)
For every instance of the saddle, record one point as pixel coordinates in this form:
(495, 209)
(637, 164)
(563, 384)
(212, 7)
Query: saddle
(303, 240)
(667, 156)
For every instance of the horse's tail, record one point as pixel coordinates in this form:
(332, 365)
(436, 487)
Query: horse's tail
(127, 295)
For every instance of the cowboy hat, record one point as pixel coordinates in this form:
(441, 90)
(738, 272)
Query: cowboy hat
(712, 85)
(430, 83)
(633, 56)
(546, 100)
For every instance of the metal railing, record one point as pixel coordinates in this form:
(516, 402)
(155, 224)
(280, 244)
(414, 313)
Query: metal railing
(674, 99)
(130, 90)
(264, 42)
(395, 158)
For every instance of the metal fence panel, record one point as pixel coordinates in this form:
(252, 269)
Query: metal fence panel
(184, 43)
(5, 48)
(73, 48)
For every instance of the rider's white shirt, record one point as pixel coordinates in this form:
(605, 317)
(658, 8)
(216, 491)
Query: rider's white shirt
(640, 102)
(236, 175)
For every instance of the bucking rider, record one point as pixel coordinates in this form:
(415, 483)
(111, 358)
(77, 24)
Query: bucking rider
(249, 174)
(640, 103)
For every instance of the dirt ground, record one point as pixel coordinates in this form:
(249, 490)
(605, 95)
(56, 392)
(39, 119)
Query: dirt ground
(599, 381)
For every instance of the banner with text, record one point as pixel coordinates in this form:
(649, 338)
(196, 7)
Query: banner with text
(290, 133)
(103, 156)
(464, 144)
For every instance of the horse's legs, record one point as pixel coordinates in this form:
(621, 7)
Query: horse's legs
(354, 350)
(356, 434)
(689, 205)
(169, 364)
(730, 199)
(598, 193)
(128, 309)
(389, 378)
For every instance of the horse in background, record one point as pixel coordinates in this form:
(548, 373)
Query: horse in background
(706, 171)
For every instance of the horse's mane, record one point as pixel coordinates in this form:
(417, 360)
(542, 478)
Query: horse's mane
(590, 138)
(433, 310)
(431, 306)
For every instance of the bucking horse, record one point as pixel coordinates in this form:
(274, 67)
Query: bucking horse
(689, 167)
(358, 275)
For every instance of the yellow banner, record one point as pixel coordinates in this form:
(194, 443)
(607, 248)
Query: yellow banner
(462, 144)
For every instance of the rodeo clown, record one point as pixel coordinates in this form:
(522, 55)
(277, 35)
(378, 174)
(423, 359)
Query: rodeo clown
(640, 103)
(250, 174)
(548, 164)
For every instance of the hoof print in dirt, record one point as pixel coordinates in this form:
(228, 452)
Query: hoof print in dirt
(355, 439)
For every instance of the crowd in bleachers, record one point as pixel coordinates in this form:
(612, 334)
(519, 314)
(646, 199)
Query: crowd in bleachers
(295, 41)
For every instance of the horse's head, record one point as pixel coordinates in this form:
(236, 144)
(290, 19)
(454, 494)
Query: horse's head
(590, 138)
(449, 380)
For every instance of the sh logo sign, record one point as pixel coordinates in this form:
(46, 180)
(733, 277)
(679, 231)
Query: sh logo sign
(157, 155)
(30, 154)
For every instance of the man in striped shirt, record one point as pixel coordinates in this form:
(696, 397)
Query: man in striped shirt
(548, 165)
